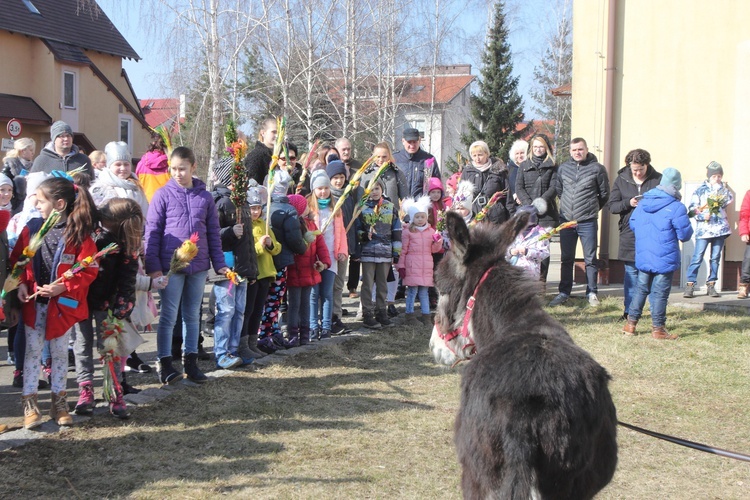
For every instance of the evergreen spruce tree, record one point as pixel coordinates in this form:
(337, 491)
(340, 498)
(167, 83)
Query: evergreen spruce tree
(497, 109)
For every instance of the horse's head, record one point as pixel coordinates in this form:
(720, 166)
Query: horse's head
(472, 253)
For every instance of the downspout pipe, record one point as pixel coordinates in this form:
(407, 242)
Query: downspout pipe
(609, 160)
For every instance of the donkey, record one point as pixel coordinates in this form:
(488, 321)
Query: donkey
(536, 418)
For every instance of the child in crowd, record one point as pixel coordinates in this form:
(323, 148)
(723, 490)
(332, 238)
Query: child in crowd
(304, 275)
(239, 253)
(418, 242)
(266, 248)
(6, 193)
(321, 205)
(113, 291)
(708, 206)
(379, 245)
(744, 230)
(67, 242)
(117, 179)
(527, 251)
(463, 200)
(451, 185)
(180, 208)
(286, 227)
(440, 204)
(153, 169)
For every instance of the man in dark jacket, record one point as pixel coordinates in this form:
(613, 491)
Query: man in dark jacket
(583, 188)
(258, 160)
(344, 147)
(60, 153)
(413, 160)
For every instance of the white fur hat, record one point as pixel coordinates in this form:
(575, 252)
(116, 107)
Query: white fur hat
(464, 195)
(414, 207)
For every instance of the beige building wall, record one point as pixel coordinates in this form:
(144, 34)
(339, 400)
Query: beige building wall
(682, 88)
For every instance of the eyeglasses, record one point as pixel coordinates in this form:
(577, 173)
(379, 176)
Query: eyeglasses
(291, 158)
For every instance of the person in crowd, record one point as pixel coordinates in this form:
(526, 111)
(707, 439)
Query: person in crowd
(452, 184)
(708, 206)
(112, 292)
(331, 155)
(660, 222)
(529, 251)
(321, 205)
(439, 204)
(67, 242)
(153, 168)
(419, 241)
(633, 180)
(259, 159)
(536, 178)
(98, 161)
(336, 171)
(266, 248)
(180, 208)
(463, 200)
(239, 253)
(583, 188)
(304, 275)
(294, 168)
(517, 157)
(489, 176)
(16, 165)
(60, 153)
(6, 193)
(378, 230)
(344, 146)
(744, 230)
(117, 180)
(415, 163)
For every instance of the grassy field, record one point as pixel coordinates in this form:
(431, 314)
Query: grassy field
(373, 418)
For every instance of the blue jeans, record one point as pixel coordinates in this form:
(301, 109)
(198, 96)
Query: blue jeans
(424, 299)
(230, 314)
(321, 302)
(657, 287)
(185, 290)
(587, 232)
(701, 244)
(629, 282)
(298, 306)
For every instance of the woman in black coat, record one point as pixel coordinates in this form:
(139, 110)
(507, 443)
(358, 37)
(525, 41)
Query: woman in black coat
(489, 176)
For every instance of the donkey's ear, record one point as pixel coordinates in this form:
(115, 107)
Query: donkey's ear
(514, 226)
(458, 233)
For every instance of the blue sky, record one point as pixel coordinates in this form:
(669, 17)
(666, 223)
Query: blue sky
(524, 19)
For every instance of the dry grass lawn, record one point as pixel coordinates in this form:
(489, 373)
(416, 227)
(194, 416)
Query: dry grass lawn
(372, 418)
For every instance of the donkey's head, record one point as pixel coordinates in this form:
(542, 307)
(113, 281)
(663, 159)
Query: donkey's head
(472, 253)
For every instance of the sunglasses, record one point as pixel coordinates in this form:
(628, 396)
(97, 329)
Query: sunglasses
(291, 158)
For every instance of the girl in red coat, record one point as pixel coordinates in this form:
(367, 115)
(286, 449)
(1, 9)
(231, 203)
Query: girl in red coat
(304, 274)
(65, 304)
(418, 242)
(744, 230)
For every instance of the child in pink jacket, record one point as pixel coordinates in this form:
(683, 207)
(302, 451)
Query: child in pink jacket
(419, 241)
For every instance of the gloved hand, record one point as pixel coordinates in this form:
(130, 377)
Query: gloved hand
(402, 272)
(238, 230)
(436, 237)
(159, 283)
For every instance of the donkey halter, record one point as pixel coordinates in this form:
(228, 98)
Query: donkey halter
(464, 331)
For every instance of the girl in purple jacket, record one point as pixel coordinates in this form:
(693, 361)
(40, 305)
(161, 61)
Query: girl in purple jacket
(180, 208)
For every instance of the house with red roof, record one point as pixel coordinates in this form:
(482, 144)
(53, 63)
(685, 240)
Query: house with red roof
(169, 112)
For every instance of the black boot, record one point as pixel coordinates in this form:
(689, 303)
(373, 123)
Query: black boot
(304, 335)
(202, 354)
(167, 373)
(192, 372)
(127, 388)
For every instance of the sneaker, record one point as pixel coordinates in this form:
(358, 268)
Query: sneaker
(86, 403)
(711, 289)
(118, 408)
(17, 378)
(11, 358)
(369, 321)
(392, 312)
(382, 318)
(689, 292)
(245, 353)
(325, 334)
(561, 298)
(227, 361)
(136, 364)
(593, 300)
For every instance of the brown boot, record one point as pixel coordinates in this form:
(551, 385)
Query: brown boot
(427, 320)
(660, 333)
(31, 415)
(59, 409)
(629, 328)
(742, 290)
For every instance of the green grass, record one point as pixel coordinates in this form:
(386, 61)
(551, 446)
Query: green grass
(373, 418)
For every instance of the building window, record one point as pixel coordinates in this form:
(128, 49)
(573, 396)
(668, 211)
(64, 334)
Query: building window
(419, 125)
(31, 7)
(126, 131)
(69, 89)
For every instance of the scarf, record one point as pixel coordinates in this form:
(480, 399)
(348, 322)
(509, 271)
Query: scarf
(483, 168)
(421, 228)
(324, 203)
(537, 160)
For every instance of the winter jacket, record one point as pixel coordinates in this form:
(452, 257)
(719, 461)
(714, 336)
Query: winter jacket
(380, 221)
(710, 225)
(413, 168)
(534, 182)
(340, 244)
(286, 226)
(61, 316)
(115, 285)
(176, 213)
(487, 183)
(12, 168)
(48, 160)
(257, 162)
(347, 212)
(243, 248)
(108, 186)
(583, 188)
(265, 255)
(659, 222)
(395, 183)
(623, 191)
(152, 172)
(303, 272)
(437, 206)
(510, 202)
(536, 251)
(416, 255)
(744, 225)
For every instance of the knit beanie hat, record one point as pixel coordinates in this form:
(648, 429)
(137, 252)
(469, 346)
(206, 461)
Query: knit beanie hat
(299, 203)
(435, 183)
(223, 171)
(5, 180)
(319, 178)
(453, 181)
(335, 168)
(33, 180)
(280, 182)
(380, 182)
(116, 151)
(59, 127)
(714, 168)
(672, 177)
